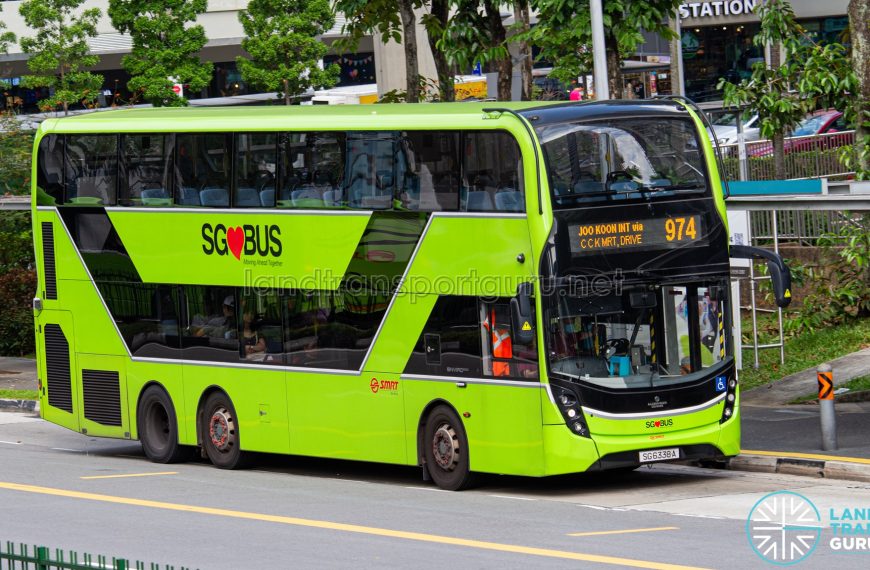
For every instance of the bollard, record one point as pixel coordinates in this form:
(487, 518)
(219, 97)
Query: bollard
(827, 415)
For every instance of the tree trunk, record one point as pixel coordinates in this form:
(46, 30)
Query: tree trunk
(859, 16)
(498, 35)
(286, 92)
(778, 138)
(613, 68)
(521, 15)
(409, 33)
(440, 10)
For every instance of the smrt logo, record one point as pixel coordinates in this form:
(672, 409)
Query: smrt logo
(377, 385)
(659, 423)
(263, 240)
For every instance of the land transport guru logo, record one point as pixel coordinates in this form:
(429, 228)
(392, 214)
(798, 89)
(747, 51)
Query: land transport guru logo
(251, 240)
(784, 528)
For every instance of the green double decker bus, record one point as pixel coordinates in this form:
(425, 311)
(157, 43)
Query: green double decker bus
(527, 290)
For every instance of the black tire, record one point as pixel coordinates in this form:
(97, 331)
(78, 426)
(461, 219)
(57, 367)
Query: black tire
(445, 450)
(219, 428)
(158, 427)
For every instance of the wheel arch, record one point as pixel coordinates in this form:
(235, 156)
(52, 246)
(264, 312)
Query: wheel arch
(213, 389)
(421, 424)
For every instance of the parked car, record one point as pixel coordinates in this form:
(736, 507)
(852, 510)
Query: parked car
(725, 128)
(805, 136)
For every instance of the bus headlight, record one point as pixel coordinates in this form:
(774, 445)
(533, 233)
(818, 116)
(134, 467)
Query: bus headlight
(569, 406)
(730, 400)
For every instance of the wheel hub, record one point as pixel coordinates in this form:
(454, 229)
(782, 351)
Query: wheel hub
(221, 428)
(445, 447)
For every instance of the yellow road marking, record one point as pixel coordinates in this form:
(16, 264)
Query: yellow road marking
(626, 531)
(360, 529)
(807, 456)
(129, 475)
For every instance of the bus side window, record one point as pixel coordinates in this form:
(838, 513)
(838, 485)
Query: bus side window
(145, 170)
(256, 168)
(91, 169)
(50, 171)
(449, 344)
(503, 356)
(210, 331)
(492, 173)
(427, 167)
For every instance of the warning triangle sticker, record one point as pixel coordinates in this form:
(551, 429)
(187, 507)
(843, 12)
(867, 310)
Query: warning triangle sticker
(527, 326)
(788, 293)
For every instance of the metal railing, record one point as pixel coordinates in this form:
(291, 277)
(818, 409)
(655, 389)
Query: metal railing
(27, 557)
(815, 156)
(803, 227)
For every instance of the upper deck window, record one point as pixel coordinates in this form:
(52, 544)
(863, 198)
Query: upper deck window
(622, 159)
(91, 167)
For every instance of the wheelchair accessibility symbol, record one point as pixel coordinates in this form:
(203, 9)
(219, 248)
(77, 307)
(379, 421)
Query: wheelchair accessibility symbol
(721, 383)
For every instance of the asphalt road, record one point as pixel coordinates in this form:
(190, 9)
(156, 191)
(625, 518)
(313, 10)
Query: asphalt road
(66, 490)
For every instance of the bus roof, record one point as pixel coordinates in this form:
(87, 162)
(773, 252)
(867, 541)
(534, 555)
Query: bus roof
(279, 117)
(571, 112)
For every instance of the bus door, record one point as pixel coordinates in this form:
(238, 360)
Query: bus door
(57, 370)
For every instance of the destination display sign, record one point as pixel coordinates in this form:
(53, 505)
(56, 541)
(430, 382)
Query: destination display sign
(637, 234)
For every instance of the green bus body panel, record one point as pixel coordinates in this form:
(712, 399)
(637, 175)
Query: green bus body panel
(373, 415)
(171, 251)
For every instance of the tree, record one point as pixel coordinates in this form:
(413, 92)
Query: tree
(164, 47)
(286, 52)
(475, 33)
(808, 77)
(564, 33)
(394, 21)
(436, 22)
(859, 25)
(522, 17)
(59, 50)
(6, 38)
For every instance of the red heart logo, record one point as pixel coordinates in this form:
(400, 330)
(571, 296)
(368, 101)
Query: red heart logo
(658, 424)
(236, 241)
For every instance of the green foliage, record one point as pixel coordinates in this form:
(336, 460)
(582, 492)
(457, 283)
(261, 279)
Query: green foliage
(17, 288)
(467, 38)
(6, 38)
(164, 47)
(282, 37)
(59, 53)
(802, 351)
(841, 283)
(366, 17)
(16, 146)
(564, 30)
(17, 239)
(811, 76)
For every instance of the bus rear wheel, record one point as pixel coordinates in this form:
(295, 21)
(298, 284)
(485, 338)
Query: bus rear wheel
(445, 450)
(220, 433)
(158, 427)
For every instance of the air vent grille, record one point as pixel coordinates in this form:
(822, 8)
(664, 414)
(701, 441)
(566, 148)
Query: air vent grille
(58, 379)
(49, 278)
(101, 390)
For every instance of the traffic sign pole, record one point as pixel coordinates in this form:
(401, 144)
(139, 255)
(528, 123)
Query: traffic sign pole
(827, 414)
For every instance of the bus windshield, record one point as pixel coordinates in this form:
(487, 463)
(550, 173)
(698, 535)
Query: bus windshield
(622, 159)
(648, 336)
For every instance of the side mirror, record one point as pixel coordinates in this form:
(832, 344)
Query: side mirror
(780, 275)
(521, 315)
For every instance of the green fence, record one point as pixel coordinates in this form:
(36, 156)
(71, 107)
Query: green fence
(27, 557)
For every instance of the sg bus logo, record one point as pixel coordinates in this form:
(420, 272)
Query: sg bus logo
(263, 240)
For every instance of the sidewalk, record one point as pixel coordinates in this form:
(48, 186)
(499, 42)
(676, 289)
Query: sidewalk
(17, 374)
(782, 438)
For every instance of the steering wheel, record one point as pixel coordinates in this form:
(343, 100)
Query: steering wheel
(620, 346)
(617, 175)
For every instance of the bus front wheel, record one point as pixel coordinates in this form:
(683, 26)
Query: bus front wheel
(158, 427)
(220, 433)
(445, 449)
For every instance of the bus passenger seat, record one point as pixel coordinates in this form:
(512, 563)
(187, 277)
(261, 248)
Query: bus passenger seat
(247, 197)
(509, 200)
(267, 197)
(215, 197)
(332, 197)
(154, 196)
(478, 201)
(189, 196)
(307, 196)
